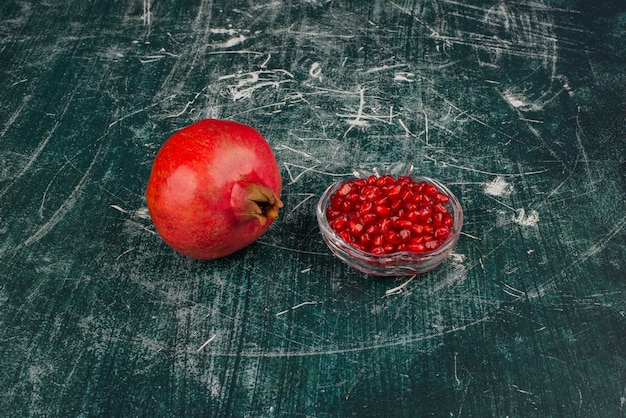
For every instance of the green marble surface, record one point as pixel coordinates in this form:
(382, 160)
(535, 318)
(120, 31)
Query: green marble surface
(518, 106)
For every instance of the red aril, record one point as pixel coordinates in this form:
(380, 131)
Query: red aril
(384, 215)
(214, 189)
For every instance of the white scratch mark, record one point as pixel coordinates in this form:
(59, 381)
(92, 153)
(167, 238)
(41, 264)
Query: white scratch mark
(248, 83)
(15, 114)
(398, 289)
(231, 42)
(384, 68)
(599, 246)
(40, 147)
(141, 110)
(513, 101)
(308, 197)
(238, 52)
(147, 14)
(580, 399)
(470, 236)
(189, 103)
(264, 64)
(295, 250)
(316, 71)
(408, 132)
(124, 253)
(307, 170)
(522, 219)
(425, 124)
(457, 275)
(511, 291)
(585, 158)
(396, 342)
(118, 208)
(300, 305)
(24, 80)
(490, 173)
(404, 76)
(456, 376)
(498, 187)
(65, 207)
(471, 117)
(358, 121)
(517, 388)
(207, 342)
(307, 155)
(224, 31)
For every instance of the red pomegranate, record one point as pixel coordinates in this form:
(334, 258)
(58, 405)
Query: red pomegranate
(214, 189)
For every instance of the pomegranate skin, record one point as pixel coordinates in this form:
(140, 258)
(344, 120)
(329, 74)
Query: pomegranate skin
(214, 189)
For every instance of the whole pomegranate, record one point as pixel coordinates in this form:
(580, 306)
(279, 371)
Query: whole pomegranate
(214, 189)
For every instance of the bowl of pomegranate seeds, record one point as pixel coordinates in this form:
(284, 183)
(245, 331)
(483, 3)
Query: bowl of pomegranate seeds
(387, 221)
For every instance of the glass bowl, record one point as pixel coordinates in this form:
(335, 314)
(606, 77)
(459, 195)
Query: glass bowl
(401, 263)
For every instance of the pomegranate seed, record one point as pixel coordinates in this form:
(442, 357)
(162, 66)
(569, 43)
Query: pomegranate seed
(393, 237)
(345, 206)
(407, 195)
(378, 241)
(430, 190)
(442, 233)
(353, 198)
(385, 225)
(382, 211)
(345, 189)
(339, 223)
(408, 207)
(377, 250)
(440, 208)
(403, 224)
(442, 198)
(396, 205)
(383, 201)
(416, 247)
(412, 216)
(345, 235)
(365, 208)
(385, 180)
(372, 229)
(383, 215)
(423, 215)
(332, 213)
(393, 190)
(432, 245)
(389, 248)
(368, 218)
(355, 228)
(404, 235)
(371, 193)
(365, 239)
(417, 229)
